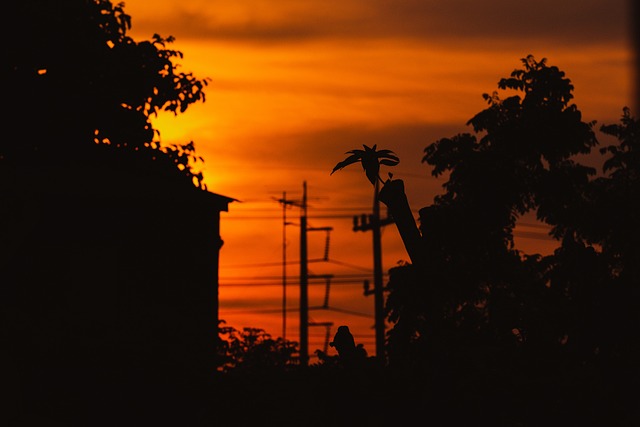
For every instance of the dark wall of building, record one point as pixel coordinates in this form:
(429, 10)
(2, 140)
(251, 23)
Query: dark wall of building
(108, 287)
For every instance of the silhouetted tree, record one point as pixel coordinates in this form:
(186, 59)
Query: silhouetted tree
(613, 225)
(617, 194)
(475, 288)
(78, 81)
(252, 350)
(472, 306)
(109, 239)
(475, 306)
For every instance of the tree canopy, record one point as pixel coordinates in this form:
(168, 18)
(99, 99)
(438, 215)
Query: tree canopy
(474, 293)
(108, 253)
(79, 80)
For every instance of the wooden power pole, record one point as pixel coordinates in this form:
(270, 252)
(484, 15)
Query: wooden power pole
(304, 282)
(304, 279)
(374, 223)
(285, 204)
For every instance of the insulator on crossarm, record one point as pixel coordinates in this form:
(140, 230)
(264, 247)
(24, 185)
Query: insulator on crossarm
(326, 247)
(366, 287)
(326, 293)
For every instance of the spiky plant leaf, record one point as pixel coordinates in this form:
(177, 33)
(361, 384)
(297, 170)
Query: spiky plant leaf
(370, 160)
(354, 158)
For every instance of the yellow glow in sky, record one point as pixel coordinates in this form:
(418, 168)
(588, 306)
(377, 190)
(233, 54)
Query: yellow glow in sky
(295, 84)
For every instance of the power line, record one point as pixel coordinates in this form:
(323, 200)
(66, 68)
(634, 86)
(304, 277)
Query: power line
(296, 310)
(342, 276)
(262, 264)
(263, 284)
(291, 202)
(258, 310)
(279, 263)
(524, 234)
(344, 282)
(346, 264)
(263, 217)
(345, 311)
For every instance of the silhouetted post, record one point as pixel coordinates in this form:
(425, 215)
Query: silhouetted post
(635, 37)
(393, 195)
(378, 296)
(284, 202)
(304, 283)
(374, 223)
(284, 265)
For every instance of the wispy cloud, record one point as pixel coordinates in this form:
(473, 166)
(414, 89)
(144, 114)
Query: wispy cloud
(289, 21)
(296, 83)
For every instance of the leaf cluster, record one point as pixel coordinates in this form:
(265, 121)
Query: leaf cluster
(370, 159)
(475, 293)
(79, 79)
(253, 350)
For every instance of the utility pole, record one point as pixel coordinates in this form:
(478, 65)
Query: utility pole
(304, 282)
(304, 277)
(284, 265)
(285, 204)
(374, 223)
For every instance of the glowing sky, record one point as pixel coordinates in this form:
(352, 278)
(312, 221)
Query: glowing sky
(297, 83)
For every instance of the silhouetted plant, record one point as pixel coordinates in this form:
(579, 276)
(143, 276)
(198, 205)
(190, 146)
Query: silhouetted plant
(611, 222)
(392, 193)
(619, 189)
(475, 291)
(370, 159)
(254, 350)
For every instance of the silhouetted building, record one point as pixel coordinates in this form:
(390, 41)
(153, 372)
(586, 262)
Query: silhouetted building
(109, 278)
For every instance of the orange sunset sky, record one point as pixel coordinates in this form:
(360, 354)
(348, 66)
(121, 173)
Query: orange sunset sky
(296, 83)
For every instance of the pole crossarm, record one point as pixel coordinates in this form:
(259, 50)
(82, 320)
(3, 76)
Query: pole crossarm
(319, 228)
(366, 222)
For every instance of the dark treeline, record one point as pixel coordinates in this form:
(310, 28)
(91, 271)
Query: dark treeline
(108, 250)
(558, 334)
(555, 336)
(106, 302)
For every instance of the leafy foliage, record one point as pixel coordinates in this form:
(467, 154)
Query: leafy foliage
(184, 157)
(79, 80)
(624, 156)
(254, 350)
(370, 159)
(475, 298)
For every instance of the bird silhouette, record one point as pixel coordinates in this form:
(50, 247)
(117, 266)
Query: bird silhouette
(344, 343)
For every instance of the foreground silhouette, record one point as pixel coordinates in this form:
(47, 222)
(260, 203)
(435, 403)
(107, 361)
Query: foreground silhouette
(470, 308)
(109, 248)
(349, 354)
(108, 266)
